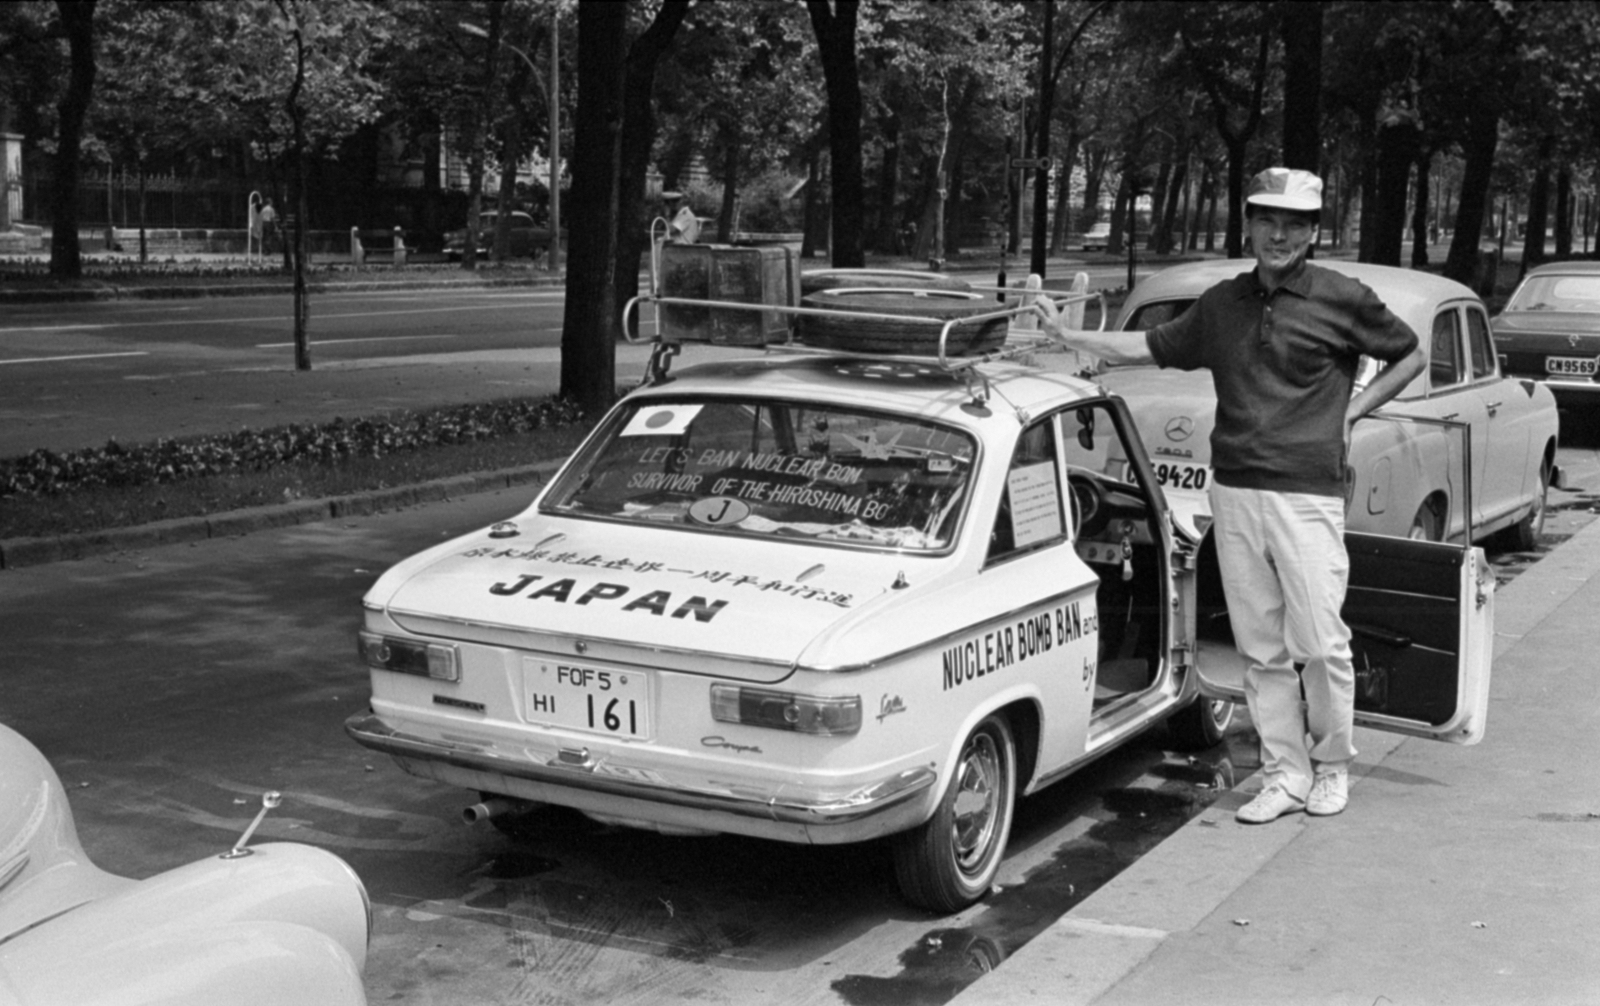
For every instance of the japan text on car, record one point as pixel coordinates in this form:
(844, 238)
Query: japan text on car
(526, 239)
(273, 923)
(825, 596)
(1406, 475)
(1549, 331)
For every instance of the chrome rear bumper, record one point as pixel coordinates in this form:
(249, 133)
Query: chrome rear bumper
(788, 812)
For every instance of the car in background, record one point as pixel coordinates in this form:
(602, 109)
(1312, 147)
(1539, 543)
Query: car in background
(1406, 475)
(1549, 331)
(526, 239)
(812, 593)
(275, 923)
(1095, 238)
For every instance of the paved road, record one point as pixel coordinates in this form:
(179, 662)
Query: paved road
(170, 687)
(147, 369)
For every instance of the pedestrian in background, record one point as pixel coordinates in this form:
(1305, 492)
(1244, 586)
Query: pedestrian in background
(1282, 342)
(268, 218)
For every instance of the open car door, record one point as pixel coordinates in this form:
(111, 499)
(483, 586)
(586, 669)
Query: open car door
(1421, 616)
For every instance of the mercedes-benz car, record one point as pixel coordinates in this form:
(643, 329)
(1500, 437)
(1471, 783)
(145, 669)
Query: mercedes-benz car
(1406, 475)
(828, 596)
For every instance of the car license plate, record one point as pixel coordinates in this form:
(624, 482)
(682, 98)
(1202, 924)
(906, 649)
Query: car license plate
(591, 699)
(1182, 475)
(1573, 366)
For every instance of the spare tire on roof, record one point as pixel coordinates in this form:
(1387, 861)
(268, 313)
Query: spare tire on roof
(909, 337)
(901, 279)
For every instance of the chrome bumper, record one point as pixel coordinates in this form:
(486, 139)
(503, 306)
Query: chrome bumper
(824, 816)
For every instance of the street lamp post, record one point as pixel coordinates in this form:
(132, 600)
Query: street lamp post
(552, 98)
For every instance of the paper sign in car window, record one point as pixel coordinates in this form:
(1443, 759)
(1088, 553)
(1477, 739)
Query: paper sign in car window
(1035, 504)
(661, 421)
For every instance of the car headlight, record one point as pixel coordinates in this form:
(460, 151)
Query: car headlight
(825, 715)
(408, 656)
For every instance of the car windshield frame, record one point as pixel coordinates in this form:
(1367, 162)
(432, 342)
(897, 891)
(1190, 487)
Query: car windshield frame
(774, 468)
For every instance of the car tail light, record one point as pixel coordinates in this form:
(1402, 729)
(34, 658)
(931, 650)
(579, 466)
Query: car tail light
(409, 656)
(827, 716)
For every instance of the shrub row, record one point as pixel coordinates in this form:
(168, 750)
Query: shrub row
(47, 473)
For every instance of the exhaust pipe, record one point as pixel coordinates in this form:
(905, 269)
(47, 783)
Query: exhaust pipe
(492, 806)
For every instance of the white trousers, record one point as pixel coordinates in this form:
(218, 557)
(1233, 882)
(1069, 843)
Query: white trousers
(1284, 573)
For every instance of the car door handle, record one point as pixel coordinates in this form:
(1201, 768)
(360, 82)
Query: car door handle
(1493, 407)
(1451, 417)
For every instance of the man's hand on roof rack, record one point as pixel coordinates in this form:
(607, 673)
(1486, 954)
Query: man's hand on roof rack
(1115, 348)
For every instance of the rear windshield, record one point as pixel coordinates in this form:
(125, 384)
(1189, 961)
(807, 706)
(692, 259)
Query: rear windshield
(1557, 293)
(771, 468)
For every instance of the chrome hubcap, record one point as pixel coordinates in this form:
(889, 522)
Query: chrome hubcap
(976, 807)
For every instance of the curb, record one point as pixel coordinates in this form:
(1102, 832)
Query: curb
(17, 553)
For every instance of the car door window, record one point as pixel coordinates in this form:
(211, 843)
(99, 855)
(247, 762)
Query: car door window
(1446, 369)
(1031, 512)
(1481, 345)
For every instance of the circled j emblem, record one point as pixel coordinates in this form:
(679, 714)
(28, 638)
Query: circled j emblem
(1179, 428)
(718, 511)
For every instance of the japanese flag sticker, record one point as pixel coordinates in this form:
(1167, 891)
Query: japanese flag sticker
(661, 421)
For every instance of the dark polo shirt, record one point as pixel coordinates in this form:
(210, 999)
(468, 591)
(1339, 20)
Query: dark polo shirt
(1283, 366)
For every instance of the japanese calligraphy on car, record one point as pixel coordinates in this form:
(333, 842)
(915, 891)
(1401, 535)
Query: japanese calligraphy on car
(1408, 474)
(275, 923)
(824, 596)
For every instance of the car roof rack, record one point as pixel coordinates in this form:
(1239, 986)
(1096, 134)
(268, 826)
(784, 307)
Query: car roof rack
(1023, 338)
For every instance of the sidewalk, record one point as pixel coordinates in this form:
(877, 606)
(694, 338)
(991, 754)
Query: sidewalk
(1456, 876)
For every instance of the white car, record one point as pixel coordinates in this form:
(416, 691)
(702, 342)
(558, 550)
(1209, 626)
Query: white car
(824, 597)
(276, 924)
(1408, 474)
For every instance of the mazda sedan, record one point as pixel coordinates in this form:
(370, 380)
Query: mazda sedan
(1407, 475)
(829, 596)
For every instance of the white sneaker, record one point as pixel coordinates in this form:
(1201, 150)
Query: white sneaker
(1271, 804)
(1330, 791)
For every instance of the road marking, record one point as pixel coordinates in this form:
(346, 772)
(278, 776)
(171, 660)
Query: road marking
(85, 356)
(50, 328)
(376, 338)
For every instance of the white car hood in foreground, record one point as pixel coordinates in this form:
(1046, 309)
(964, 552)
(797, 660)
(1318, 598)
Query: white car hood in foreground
(668, 589)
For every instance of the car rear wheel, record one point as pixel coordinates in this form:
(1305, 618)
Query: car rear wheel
(1428, 524)
(951, 861)
(1200, 725)
(1523, 536)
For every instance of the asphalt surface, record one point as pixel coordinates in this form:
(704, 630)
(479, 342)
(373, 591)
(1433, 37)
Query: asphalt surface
(1457, 875)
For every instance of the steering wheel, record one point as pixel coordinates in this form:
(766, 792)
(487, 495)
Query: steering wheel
(1089, 511)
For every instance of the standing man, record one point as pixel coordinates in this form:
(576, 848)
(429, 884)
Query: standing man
(1282, 342)
(269, 225)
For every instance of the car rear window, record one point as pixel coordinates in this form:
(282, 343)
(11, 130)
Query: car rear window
(774, 468)
(1557, 293)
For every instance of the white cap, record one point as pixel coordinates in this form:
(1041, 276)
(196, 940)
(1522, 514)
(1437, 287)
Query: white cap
(1286, 189)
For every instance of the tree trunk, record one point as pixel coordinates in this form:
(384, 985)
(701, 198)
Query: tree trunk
(77, 20)
(1538, 207)
(1041, 176)
(1483, 135)
(1397, 151)
(1564, 212)
(1420, 210)
(1063, 215)
(1302, 85)
(887, 238)
(589, 327)
(479, 153)
(638, 140)
(836, 45)
(1234, 244)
